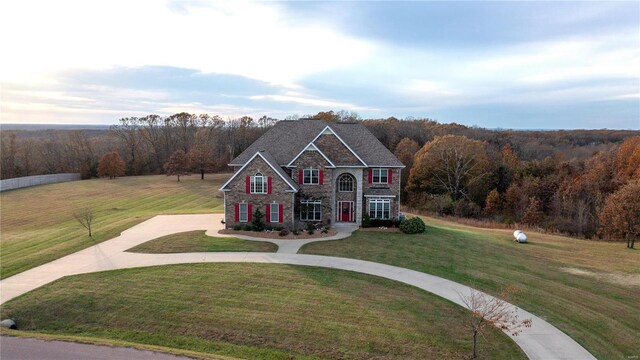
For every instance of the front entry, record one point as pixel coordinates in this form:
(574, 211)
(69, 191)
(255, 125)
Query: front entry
(345, 211)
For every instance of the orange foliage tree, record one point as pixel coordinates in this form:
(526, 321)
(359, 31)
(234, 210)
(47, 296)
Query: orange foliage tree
(451, 164)
(620, 216)
(111, 165)
(628, 159)
(178, 164)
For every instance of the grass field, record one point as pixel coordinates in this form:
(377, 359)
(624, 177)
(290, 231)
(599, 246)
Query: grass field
(198, 241)
(590, 290)
(37, 224)
(257, 311)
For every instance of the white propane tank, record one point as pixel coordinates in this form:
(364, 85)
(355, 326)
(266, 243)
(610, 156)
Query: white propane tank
(520, 236)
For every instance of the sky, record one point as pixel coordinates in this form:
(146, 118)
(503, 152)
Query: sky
(519, 65)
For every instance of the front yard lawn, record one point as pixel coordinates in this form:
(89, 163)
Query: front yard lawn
(588, 289)
(198, 241)
(256, 311)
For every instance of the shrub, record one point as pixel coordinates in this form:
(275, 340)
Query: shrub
(268, 228)
(277, 228)
(324, 230)
(247, 227)
(237, 227)
(310, 228)
(258, 220)
(366, 221)
(412, 225)
(283, 232)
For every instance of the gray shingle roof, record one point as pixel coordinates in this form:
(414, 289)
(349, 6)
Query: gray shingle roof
(288, 137)
(273, 164)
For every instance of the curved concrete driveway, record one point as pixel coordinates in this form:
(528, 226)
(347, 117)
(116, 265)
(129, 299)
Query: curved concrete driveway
(541, 341)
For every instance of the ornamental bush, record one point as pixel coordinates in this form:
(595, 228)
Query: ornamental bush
(413, 225)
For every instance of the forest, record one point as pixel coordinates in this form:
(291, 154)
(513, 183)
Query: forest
(585, 183)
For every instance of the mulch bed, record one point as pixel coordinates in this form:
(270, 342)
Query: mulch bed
(275, 234)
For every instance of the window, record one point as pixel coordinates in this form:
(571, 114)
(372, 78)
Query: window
(258, 184)
(345, 183)
(380, 176)
(243, 210)
(310, 210)
(379, 208)
(310, 177)
(274, 213)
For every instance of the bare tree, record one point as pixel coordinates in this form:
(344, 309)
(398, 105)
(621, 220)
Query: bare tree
(85, 218)
(487, 310)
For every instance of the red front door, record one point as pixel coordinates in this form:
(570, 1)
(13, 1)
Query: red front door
(345, 211)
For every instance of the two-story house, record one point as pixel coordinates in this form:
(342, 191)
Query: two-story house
(313, 171)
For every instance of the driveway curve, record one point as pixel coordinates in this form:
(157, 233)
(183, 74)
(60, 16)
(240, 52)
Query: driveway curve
(541, 341)
(17, 348)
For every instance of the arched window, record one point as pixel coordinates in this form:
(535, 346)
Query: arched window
(258, 184)
(345, 183)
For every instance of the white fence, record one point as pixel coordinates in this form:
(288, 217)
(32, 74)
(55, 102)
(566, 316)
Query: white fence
(17, 183)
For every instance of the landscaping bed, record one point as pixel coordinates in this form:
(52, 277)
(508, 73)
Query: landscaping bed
(274, 234)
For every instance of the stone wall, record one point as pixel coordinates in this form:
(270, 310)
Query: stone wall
(26, 181)
(336, 151)
(324, 192)
(394, 209)
(279, 193)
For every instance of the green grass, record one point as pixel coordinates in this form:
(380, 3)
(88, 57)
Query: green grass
(602, 315)
(198, 241)
(258, 311)
(37, 224)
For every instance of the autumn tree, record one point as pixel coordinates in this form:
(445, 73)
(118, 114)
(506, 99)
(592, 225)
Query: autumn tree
(201, 160)
(111, 165)
(620, 216)
(178, 164)
(628, 159)
(451, 164)
(405, 152)
(533, 215)
(493, 203)
(487, 311)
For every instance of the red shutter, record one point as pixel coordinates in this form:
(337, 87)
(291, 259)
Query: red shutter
(269, 185)
(370, 176)
(390, 176)
(247, 184)
(321, 176)
(237, 211)
(279, 213)
(300, 176)
(249, 212)
(268, 213)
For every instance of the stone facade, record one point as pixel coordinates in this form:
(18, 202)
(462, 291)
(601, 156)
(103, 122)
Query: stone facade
(335, 150)
(327, 192)
(394, 210)
(280, 194)
(324, 192)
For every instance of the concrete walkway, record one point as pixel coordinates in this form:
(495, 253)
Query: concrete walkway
(541, 341)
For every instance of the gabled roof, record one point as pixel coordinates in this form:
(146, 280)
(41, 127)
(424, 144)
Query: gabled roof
(266, 156)
(312, 147)
(288, 138)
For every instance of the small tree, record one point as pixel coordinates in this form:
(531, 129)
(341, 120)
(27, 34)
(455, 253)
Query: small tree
(620, 216)
(111, 165)
(487, 310)
(493, 203)
(178, 164)
(85, 218)
(257, 220)
(201, 160)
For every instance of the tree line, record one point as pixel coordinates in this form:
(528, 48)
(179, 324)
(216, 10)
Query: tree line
(554, 180)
